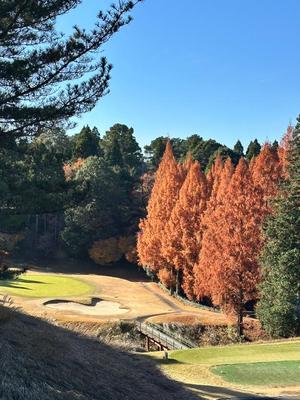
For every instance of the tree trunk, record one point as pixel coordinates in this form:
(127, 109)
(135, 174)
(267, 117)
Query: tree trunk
(171, 283)
(239, 326)
(177, 282)
(36, 227)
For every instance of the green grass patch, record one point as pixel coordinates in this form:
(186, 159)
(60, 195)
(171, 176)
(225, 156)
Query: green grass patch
(45, 286)
(234, 354)
(280, 373)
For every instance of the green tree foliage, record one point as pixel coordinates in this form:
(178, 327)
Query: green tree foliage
(46, 77)
(278, 309)
(275, 145)
(120, 149)
(86, 143)
(224, 153)
(156, 149)
(201, 150)
(238, 148)
(253, 149)
(101, 208)
(105, 204)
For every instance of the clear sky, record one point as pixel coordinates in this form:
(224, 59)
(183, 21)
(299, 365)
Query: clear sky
(225, 69)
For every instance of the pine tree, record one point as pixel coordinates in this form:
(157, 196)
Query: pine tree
(182, 238)
(163, 198)
(253, 149)
(47, 78)
(86, 143)
(278, 309)
(238, 148)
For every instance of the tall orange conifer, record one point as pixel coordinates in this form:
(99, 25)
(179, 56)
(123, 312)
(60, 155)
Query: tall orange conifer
(213, 176)
(283, 150)
(183, 234)
(235, 272)
(210, 250)
(267, 172)
(168, 182)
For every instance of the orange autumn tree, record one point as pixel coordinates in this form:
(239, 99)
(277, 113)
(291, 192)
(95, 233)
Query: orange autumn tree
(71, 169)
(213, 175)
(183, 234)
(168, 182)
(267, 172)
(210, 249)
(235, 274)
(284, 148)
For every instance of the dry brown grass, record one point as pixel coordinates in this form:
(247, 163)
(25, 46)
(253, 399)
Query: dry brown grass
(204, 319)
(41, 361)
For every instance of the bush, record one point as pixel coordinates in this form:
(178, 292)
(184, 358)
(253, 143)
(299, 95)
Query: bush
(220, 335)
(111, 250)
(202, 335)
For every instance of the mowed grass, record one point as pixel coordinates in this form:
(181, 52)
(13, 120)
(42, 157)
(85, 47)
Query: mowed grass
(247, 353)
(278, 373)
(45, 286)
(205, 366)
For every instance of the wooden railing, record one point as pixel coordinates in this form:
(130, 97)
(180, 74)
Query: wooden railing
(162, 338)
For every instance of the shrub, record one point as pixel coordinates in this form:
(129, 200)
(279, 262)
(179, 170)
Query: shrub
(111, 250)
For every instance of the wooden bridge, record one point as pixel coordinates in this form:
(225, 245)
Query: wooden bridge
(162, 339)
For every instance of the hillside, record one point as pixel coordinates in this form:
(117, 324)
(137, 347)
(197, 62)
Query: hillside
(43, 361)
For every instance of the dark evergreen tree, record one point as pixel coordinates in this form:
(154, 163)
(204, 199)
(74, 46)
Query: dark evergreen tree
(86, 143)
(101, 207)
(224, 152)
(275, 145)
(47, 78)
(238, 148)
(156, 149)
(253, 149)
(279, 308)
(121, 149)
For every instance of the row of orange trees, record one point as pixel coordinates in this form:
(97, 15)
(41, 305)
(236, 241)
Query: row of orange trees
(202, 234)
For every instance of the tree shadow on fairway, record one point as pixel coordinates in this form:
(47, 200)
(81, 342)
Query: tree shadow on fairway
(42, 361)
(11, 284)
(31, 281)
(120, 269)
(220, 392)
(14, 284)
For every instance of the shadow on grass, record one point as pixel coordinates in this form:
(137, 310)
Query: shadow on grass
(42, 361)
(123, 270)
(11, 285)
(14, 284)
(219, 392)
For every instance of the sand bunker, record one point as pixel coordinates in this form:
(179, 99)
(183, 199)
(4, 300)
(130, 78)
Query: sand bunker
(97, 307)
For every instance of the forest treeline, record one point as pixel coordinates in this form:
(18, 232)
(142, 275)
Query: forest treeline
(86, 193)
(197, 207)
(230, 237)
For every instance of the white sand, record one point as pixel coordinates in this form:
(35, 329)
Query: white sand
(101, 308)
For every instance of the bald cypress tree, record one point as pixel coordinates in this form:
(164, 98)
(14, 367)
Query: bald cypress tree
(168, 181)
(278, 309)
(183, 233)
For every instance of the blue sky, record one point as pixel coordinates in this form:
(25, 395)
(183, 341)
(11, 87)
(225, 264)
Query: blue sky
(225, 69)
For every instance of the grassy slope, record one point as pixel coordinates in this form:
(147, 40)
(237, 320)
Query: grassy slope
(193, 367)
(42, 361)
(274, 373)
(45, 286)
(239, 353)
